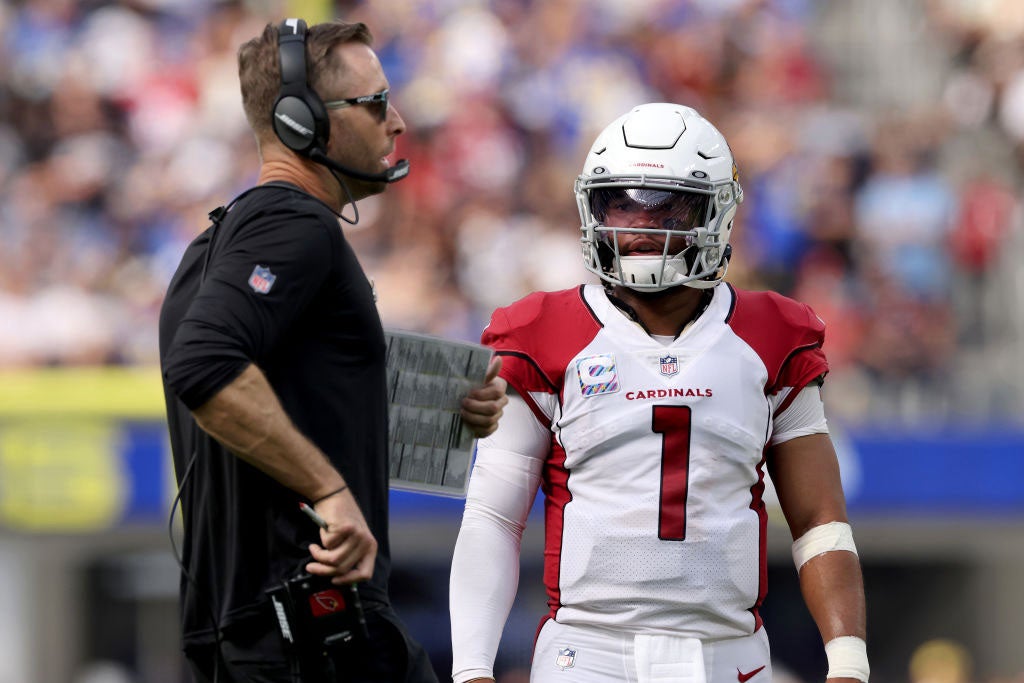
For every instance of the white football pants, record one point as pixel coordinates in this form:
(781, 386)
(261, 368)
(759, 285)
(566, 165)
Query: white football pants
(576, 654)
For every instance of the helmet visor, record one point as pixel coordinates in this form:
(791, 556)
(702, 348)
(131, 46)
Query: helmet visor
(661, 209)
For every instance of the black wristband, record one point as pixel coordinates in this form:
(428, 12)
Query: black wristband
(332, 493)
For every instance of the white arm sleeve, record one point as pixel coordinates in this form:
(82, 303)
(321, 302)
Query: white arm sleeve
(485, 566)
(805, 415)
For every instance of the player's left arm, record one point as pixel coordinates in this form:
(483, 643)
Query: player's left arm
(805, 472)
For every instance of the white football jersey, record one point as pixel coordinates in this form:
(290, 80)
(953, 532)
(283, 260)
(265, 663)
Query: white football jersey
(654, 519)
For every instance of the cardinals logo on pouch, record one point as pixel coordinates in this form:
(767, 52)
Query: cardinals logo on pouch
(326, 602)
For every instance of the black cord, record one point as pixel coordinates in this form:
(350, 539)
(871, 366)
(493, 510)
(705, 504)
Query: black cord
(351, 200)
(214, 622)
(217, 215)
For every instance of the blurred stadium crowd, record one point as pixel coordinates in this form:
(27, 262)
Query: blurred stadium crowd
(879, 144)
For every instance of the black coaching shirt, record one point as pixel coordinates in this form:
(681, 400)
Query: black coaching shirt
(283, 290)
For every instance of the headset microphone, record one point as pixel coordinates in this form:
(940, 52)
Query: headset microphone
(391, 175)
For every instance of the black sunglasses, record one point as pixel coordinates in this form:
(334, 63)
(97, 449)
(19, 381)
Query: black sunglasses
(380, 100)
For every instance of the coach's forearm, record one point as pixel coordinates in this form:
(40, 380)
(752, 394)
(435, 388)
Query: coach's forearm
(246, 416)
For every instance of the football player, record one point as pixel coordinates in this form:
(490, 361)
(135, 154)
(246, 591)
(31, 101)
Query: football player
(648, 409)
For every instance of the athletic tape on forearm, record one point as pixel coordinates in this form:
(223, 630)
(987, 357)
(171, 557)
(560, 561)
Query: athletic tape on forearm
(847, 658)
(823, 539)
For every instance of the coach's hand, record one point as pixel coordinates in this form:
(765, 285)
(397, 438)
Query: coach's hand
(482, 407)
(348, 549)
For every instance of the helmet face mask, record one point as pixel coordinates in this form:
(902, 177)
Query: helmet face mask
(657, 197)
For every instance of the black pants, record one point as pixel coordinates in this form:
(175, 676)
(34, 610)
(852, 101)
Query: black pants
(254, 652)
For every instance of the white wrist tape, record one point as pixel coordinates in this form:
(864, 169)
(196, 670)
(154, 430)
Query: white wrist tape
(821, 539)
(847, 658)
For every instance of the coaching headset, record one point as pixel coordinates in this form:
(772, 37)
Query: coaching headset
(299, 116)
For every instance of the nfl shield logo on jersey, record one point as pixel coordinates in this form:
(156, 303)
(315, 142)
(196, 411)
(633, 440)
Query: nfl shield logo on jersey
(669, 365)
(261, 279)
(566, 658)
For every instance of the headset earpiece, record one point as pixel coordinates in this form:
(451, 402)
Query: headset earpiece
(299, 117)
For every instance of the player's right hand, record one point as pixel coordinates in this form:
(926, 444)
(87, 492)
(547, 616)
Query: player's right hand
(482, 407)
(347, 549)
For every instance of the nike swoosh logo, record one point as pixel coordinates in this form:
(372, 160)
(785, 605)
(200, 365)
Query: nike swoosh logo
(744, 677)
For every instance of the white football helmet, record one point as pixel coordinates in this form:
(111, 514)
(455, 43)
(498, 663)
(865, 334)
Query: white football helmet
(669, 165)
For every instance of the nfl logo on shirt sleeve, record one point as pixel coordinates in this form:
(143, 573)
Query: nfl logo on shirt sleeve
(261, 279)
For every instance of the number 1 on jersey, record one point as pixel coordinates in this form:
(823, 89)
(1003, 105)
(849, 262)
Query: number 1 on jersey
(673, 423)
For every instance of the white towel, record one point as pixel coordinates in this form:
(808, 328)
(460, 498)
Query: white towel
(668, 659)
